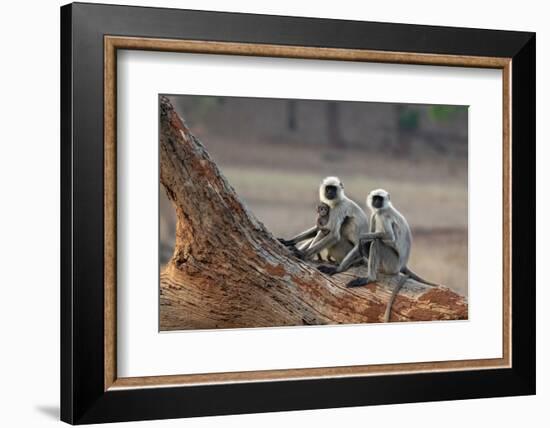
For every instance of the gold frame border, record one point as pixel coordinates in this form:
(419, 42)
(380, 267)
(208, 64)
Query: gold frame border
(113, 43)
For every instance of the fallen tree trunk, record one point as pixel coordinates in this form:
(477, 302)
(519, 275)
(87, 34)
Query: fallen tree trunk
(228, 270)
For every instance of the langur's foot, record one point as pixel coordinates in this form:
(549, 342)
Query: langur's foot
(327, 270)
(358, 282)
(297, 253)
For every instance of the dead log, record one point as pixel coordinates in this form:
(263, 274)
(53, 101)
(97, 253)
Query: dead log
(228, 270)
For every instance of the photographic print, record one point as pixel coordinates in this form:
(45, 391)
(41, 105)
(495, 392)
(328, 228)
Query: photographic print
(291, 212)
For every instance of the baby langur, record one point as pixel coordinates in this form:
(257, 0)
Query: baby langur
(323, 226)
(388, 244)
(337, 239)
(323, 211)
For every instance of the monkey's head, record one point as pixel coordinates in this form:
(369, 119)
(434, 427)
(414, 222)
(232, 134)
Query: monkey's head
(331, 190)
(323, 210)
(378, 199)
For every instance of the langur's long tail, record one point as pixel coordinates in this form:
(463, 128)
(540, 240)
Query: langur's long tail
(401, 281)
(414, 276)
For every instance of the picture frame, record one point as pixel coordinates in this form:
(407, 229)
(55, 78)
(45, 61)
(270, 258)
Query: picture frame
(91, 391)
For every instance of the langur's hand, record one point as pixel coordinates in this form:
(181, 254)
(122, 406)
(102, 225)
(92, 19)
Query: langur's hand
(285, 242)
(327, 270)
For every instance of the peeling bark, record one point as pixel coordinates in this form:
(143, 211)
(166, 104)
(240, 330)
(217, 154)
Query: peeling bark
(228, 271)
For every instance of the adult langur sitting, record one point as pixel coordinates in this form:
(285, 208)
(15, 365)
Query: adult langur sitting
(340, 237)
(388, 245)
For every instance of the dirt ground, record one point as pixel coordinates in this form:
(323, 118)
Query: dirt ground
(279, 185)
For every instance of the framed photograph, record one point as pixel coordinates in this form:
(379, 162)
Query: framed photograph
(266, 213)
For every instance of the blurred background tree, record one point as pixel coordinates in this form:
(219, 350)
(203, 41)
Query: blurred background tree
(446, 113)
(403, 129)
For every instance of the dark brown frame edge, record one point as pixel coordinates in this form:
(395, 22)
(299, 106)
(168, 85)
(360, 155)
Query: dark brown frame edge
(114, 43)
(83, 395)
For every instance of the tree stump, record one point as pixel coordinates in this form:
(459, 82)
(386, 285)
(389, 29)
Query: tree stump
(228, 271)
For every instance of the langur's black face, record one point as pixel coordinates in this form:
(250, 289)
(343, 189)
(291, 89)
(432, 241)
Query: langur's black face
(331, 192)
(377, 201)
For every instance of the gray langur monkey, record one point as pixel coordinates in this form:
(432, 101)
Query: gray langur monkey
(340, 236)
(388, 244)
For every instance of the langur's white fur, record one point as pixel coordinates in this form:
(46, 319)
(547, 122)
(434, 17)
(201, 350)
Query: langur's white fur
(332, 181)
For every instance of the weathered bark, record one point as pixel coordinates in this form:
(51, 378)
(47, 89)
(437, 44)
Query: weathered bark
(228, 270)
